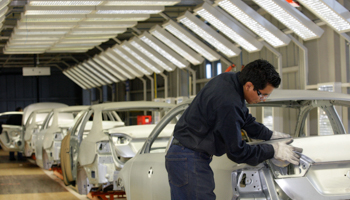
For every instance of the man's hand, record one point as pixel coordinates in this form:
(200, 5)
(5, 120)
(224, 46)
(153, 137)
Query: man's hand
(286, 152)
(279, 135)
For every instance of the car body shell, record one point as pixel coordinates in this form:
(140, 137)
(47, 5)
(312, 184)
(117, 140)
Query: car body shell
(86, 156)
(54, 129)
(11, 134)
(323, 173)
(26, 129)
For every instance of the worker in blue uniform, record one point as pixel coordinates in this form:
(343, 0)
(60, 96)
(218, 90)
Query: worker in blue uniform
(212, 125)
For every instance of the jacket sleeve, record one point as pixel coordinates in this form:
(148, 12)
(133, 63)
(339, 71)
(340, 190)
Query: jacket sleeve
(229, 124)
(255, 129)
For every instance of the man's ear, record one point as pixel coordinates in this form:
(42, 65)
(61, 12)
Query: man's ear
(248, 86)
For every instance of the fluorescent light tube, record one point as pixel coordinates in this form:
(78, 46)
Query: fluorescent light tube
(102, 71)
(116, 67)
(175, 29)
(291, 18)
(82, 77)
(176, 45)
(74, 80)
(123, 63)
(89, 75)
(140, 57)
(152, 54)
(330, 11)
(96, 74)
(142, 2)
(126, 56)
(208, 34)
(229, 26)
(164, 50)
(255, 22)
(108, 68)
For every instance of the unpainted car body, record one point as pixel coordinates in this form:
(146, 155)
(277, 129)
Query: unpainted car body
(21, 139)
(86, 153)
(323, 173)
(54, 129)
(10, 133)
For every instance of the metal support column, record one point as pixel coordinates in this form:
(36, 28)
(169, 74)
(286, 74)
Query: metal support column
(279, 59)
(144, 88)
(165, 84)
(152, 89)
(194, 81)
(305, 58)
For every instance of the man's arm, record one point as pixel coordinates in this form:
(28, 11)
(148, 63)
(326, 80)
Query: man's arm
(255, 129)
(229, 126)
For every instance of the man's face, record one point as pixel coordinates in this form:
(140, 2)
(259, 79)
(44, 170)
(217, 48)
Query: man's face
(255, 96)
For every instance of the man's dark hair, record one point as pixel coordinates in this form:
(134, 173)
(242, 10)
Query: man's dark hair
(18, 109)
(260, 73)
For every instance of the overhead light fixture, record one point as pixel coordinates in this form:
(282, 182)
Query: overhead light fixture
(116, 67)
(97, 75)
(2, 18)
(77, 78)
(21, 52)
(70, 48)
(86, 45)
(13, 41)
(126, 56)
(84, 77)
(164, 50)
(89, 75)
(255, 22)
(109, 3)
(14, 46)
(115, 31)
(129, 9)
(57, 10)
(45, 25)
(175, 29)
(228, 26)
(35, 37)
(104, 25)
(176, 45)
(43, 32)
(66, 72)
(142, 2)
(51, 18)
(64, 3)
(29, 50)
(88, 37)
(123, 63)
(4, 3)
(84, 18)
(291, 18)
(108, 78)
(3, 11)
(208, 34)
(330, 11)
(96, 42)
(152, 54)
(116, 17)
(108, 68)
(141, 57)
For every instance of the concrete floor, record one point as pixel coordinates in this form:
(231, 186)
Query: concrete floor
(22, 180)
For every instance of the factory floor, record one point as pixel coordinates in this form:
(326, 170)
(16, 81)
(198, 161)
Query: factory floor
(22, 180)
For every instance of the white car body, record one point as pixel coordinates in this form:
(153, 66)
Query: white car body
(10, 134)
(34, 123)
(323, 173)
(54, 129)
(88, 159)
(19, 139)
